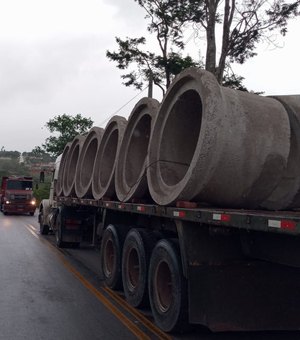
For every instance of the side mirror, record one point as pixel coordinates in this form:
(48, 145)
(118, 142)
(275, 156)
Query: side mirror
(42, 177)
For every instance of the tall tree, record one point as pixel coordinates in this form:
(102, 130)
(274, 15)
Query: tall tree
(166, 21)
(67, 127)
(243, 24)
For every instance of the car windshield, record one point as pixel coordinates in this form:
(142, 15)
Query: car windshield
(19, 185)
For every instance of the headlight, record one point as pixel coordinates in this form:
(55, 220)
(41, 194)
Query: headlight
(33, 202)
(7, 202)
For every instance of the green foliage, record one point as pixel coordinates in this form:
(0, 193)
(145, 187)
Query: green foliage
(67, 127)
(37, 155)
(166, 20)
(9, 154)
(9, 167)
(243, 25)
(41, 191)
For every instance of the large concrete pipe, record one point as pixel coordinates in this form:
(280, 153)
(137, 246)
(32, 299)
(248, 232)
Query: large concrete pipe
(287, 193)
(130, 176)
(103, 183)
(59, 183)
(71, 164)
(84, 170)
(216, 145)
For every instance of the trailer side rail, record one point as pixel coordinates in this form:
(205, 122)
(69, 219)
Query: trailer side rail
(286, 222)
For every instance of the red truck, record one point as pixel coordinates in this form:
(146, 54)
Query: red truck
(16, 196)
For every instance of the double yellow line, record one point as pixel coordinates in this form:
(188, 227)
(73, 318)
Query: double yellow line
(156, 332)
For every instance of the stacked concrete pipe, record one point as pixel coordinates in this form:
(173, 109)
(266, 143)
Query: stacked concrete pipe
(216, 145)
(59, 183)
(287, 193)
(103, 183)
(71, 164)
(84, 170)
(130, 176)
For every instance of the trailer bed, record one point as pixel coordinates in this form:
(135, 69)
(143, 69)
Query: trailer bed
(284, 222)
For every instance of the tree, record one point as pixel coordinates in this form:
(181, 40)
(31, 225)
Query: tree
(67, 128)
(167, 19)
(244, 24)
(37, 155)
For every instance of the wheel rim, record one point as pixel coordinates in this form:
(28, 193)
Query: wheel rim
(133, 272)
(109, 258)
(163, 286)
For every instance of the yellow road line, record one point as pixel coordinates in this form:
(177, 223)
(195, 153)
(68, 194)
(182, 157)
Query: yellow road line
(32, 232)
(31, 227)
(146, 322)
(128, 323)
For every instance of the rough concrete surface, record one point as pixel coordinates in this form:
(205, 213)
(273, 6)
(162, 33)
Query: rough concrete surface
(71, 164)
(103, 183)
(84, 171)
(59, 183)
(216, 145)
(287, 193)
(130, 176)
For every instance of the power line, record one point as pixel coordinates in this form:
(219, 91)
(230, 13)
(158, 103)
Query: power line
(109, 117)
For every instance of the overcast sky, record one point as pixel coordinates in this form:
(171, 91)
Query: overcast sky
(52, 61)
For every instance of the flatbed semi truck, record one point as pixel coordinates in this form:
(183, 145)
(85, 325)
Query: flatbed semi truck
(194, 204)
(223, 268)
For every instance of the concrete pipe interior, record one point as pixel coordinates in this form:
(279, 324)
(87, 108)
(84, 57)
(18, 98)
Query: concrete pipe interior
(88, 163)
(72, 166)
(137, 150)
(180, 137)
(108, 158)
(59, 183)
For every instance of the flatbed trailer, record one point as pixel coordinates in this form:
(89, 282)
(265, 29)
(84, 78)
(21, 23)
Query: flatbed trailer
(285, 222)
(226, 269)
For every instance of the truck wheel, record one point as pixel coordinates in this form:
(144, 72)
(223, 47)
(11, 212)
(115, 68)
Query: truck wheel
(168, 287)
(58, 231)
(44, 229)
(31, 213)
(111, 256)
(137, 249)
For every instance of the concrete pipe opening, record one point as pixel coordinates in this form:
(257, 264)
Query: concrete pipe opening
(71, 164)
(131, 165)
(105, 163)
(62, 165)
(179, 137)
(216, 145)
(84, 171)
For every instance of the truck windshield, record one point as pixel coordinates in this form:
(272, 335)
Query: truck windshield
(19, 185)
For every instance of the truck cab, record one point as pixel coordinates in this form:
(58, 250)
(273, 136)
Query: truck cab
(16, 195)
(48, 207)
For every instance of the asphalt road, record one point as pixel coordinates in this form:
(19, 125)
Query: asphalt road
(47, 293)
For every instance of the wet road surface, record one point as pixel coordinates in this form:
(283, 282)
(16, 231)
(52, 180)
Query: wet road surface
(46, 293)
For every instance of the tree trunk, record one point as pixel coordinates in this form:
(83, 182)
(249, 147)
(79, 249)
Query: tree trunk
(228, 16)
(211, 36)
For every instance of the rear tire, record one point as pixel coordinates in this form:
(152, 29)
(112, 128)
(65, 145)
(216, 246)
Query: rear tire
(137, 250)
(168, 288)
(111, 256)
(58, 231)
(44, 229)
